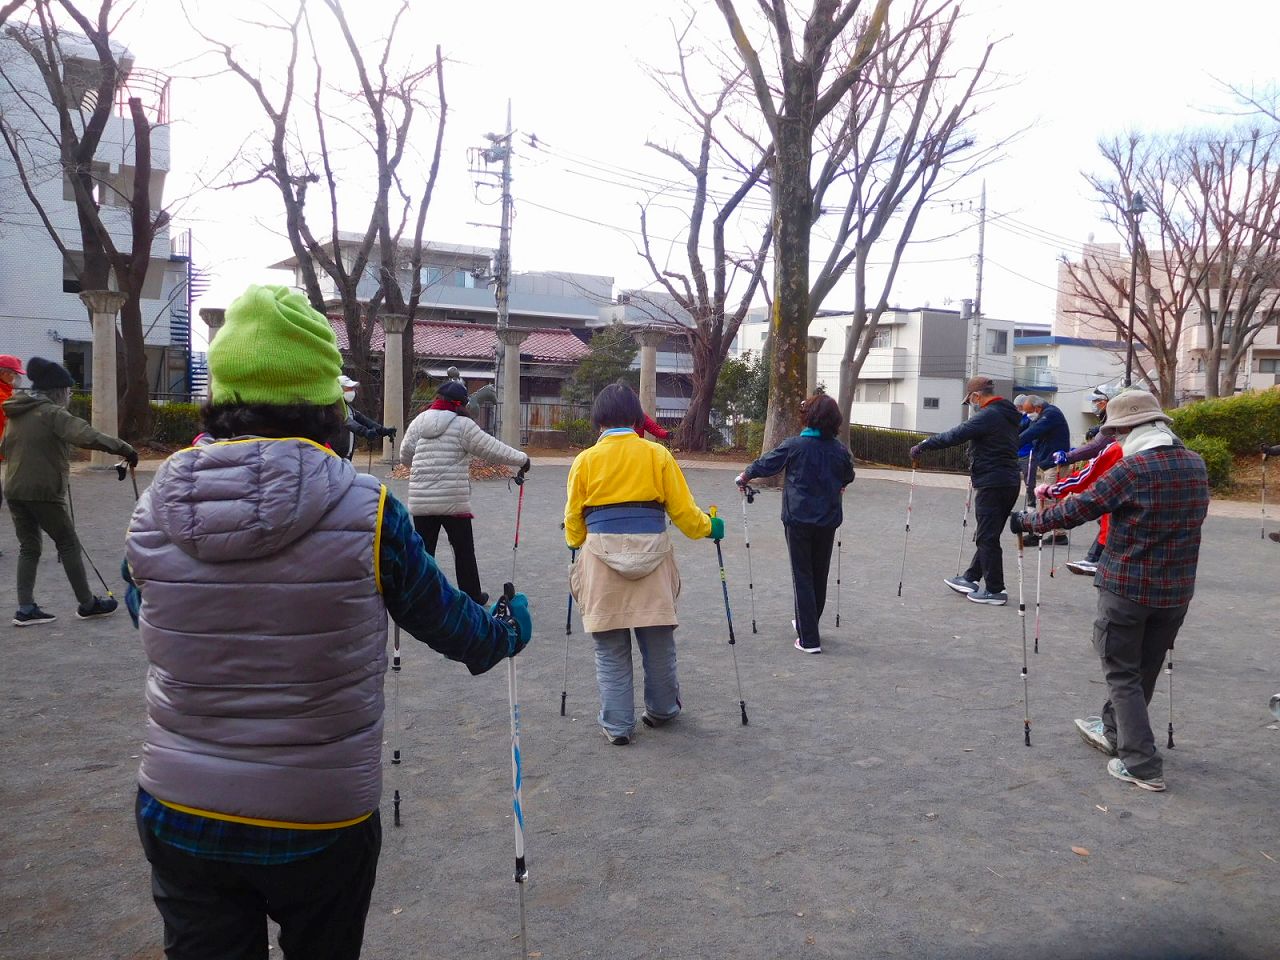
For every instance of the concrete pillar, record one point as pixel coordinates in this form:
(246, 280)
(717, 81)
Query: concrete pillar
(214, 318)
(650, 339)
(393, 324)
(104, 305)
(511, 340)
(811, 380)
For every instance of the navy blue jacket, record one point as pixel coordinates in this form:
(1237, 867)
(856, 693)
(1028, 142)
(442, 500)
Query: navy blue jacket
(818, 469)
(992, 433)
(1047, 435)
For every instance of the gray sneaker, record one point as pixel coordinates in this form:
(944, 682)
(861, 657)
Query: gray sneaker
(1093, 733)
(983, 595)
(960, 584)
(1118, 770)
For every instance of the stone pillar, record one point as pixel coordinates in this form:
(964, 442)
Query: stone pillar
(104, 305)
(214, 318)
(393, 325)
(511, 340)
(650, 339)
(811, 380)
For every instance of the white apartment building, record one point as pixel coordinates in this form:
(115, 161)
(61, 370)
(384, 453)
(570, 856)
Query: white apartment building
(1261, 367)
(914, 374)
(40, 306)
(1065, 371)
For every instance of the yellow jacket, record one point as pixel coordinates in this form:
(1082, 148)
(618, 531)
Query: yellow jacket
(622, 468)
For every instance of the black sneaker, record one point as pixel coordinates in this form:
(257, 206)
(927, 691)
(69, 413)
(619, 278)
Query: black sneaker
(97, 607)
(615, 740)
(33, 616)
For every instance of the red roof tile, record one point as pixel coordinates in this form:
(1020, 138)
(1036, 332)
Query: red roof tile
(471, 341)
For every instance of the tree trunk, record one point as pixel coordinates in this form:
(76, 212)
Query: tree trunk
(789, 324)
(135, 402)
(1212, 368)
(692, 432)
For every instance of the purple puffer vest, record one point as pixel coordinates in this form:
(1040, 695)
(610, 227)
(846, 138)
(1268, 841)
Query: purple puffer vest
(265, 632)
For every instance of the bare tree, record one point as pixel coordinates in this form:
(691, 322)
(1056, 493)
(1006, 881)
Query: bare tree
(898, 140)
(696, 306)
(82, 106)
(9, 9)
(379, 112)
(814, 77)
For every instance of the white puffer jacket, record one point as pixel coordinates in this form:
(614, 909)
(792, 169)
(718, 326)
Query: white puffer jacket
(437, 448)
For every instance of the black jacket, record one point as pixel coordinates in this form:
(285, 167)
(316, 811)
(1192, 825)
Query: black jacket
(818, 469)
(1048, 435)
(358, 425)
(992, 433)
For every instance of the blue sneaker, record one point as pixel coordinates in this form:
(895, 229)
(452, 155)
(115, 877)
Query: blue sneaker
(960, 584)
(1093, 733)
(1118, 770)
(983, 595)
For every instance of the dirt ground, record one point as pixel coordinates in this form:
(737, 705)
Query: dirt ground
(881, 802)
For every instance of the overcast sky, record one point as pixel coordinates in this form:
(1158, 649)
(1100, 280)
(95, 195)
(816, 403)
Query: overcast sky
(574, 70)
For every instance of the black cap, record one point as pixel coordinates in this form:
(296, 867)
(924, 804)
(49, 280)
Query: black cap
(48, 375)
(453, 390)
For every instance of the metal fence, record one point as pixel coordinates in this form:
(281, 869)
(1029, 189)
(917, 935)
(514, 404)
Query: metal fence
(555, 423)
(883, 445)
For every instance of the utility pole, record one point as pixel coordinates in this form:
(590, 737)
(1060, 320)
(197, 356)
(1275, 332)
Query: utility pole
(499, 151)
(975, 346)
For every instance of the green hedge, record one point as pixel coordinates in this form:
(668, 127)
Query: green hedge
(1244, 422)
(175, 423)
(1217, 458)
(882, 445)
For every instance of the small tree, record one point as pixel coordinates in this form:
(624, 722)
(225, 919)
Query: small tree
(742, 389)
(612, 352)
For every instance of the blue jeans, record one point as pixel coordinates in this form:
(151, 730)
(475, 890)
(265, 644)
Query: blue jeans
(613, 676)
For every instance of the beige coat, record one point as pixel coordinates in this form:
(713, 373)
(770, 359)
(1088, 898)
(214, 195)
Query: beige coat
(623, 580)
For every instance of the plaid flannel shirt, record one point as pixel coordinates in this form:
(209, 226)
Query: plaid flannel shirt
(1157, 500)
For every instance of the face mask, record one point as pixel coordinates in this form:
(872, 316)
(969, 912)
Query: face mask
(974, 407)
(1033, 417)
(348, 395)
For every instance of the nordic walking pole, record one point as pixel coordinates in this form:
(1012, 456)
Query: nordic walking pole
(907, 538)
(71, 506)
(1022, 617)
(395, 723)
(964, 529)
(568, 629)
(121, 468)
(1039, 564)
(370, 467)
(1263, 532)
(501, 611)
(1168, 672)
(733, 642)
(515, 545)
(749, 496)
(839, 551)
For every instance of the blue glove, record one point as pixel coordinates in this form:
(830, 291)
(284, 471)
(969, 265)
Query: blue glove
(717, 528)
(914, 453)
(515, 614)
(1059, 457)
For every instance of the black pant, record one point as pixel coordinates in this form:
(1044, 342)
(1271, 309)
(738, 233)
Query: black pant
(810, 550)
(214, 910)
(458, 530)
(1131, 641)
(991, 509)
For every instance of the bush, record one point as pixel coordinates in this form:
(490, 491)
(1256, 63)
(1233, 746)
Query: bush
(755, 438)
(579, 431)
(175, 423)
(1217, 458)
(883, 445)
(81, 404)
(1243, 422)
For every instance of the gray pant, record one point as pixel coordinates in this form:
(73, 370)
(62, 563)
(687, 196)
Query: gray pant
(613, 676)
(30, 517)
(1132, 641)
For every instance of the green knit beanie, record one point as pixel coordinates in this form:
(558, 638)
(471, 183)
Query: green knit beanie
(274, 349)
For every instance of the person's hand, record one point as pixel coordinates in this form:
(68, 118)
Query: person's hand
(1042, 491)
(515, 613)
(131, 456)
(1019, 523)
(389, 432)
(741, 479)
(717, 528)
(524, 467)
(914, 453)
(1059, 458)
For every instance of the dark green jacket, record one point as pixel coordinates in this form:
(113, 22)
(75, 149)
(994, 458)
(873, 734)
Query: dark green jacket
(37, 447)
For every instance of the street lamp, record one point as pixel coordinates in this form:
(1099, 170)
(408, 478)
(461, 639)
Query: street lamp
(1136, 209)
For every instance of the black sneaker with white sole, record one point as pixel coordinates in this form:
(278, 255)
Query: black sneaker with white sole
(97, 607)
(960, 584)
(31, 617)
(983, 595)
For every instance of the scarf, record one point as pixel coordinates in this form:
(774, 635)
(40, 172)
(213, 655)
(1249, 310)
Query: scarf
(440, 403)
(1147, 436)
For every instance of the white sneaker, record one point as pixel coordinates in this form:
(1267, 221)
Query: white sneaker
(1118, 770)
(803, 649)
(1093, 733)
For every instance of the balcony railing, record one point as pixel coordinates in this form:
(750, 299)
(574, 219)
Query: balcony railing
(1027, 375)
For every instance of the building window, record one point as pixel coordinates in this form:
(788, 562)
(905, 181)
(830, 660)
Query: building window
(998, 342)
(1041, 361)
(931, 403)
(1269, 365)
(882, 340)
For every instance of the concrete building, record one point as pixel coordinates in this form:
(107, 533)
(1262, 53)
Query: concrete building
(1077, 317)
(913, 377)
(39, 290)
(1065, 371)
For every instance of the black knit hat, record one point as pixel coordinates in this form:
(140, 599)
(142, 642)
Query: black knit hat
(453, 390)
(48, 375)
